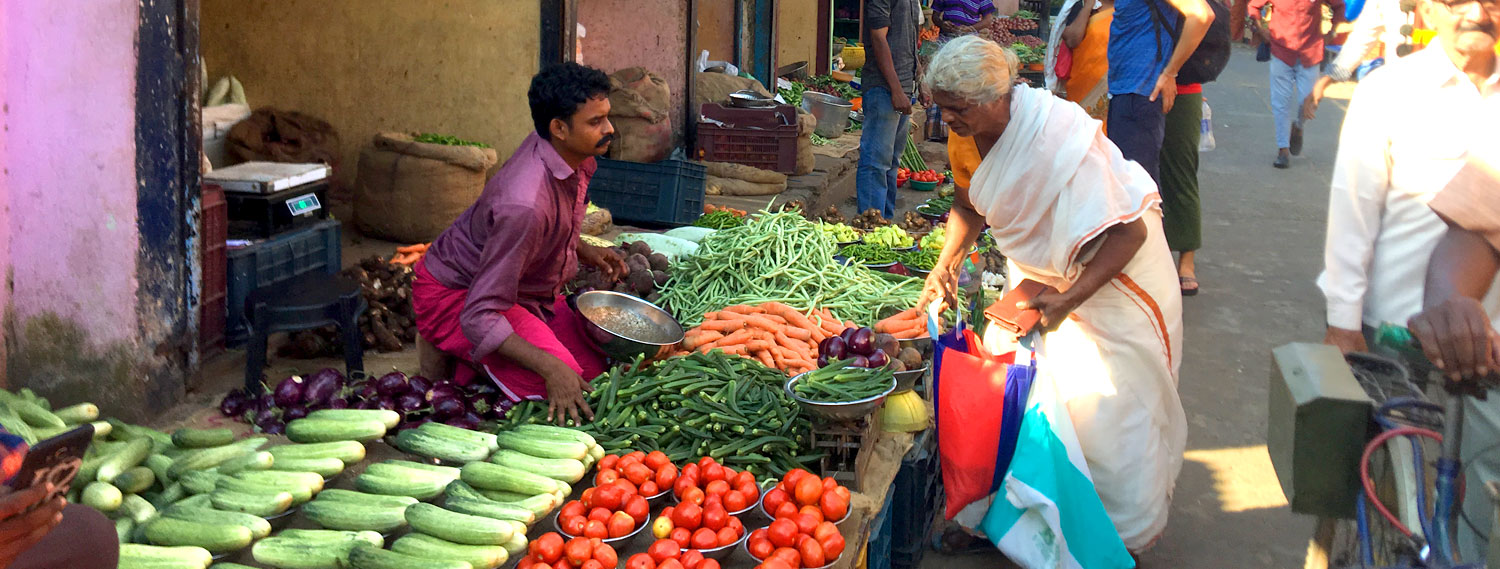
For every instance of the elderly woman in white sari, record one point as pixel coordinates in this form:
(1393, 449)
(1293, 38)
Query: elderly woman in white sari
(1068, 211)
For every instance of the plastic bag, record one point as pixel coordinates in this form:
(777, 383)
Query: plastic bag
(1206, 130)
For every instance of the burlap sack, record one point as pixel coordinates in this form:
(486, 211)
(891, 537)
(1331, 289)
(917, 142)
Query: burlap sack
(597, 222)
(716, 186)
(639, 104)
(270, 135)
(743, 172)
(805, 160)
(409, 192)
(716, 87)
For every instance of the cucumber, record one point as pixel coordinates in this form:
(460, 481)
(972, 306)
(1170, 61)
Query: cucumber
(389, 418)
(448, 472)
(329, 535)
(128, 457)
(135, 480)
(254, 461)
(564, 469)
(102, 430)
(216, 538)
(78, 414)
(201, 459)
(330, 430)
(461, 434)
(308, 480)
(136, 508)
(300, 494)
(426, 546)
(418, 487)
(349, 452)
(173, 493)
(295, 553)
(124, 527)
(490, 509)
(425, 443)
(159, 465)
(351, 516)
(139, 556)
(489, 476)
(503, 496)
(200, 481)
(366, 556)
(29, 395)
(123, 431)
(350, 496)
(562, 433)
(29, 411)
(229, 566)
(325, 467)
(102, 496)
(458, 527)
(201, 438)
(542, 447)
(17, 426)
(263, 504)
(198, 501)
(259, 527)
(517, 544)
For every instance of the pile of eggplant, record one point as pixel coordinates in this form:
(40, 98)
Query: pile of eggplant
(418, 399)
(868, 350)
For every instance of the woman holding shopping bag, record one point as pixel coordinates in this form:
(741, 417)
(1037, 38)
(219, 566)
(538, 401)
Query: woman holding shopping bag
(1070, 212)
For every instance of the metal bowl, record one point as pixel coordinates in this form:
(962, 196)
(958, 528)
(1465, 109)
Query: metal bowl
(760, 506)
(923, 344)
(913, 248)
(619, 543)
(843, 411)
(843, 244)
(907, 380)
(919, 273)
(620, 346)
(745, 547)
(796, 70)
(750, 100)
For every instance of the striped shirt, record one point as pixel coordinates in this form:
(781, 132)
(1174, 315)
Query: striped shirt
(962, 12)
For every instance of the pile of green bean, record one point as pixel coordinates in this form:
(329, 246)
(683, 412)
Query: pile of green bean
(923, 259)
(869, 253)
(781, 257)
(837, 383)
(719, 220)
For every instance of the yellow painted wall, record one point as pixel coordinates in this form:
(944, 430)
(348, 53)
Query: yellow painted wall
(458, 67)
(797, 32)
(716, 29)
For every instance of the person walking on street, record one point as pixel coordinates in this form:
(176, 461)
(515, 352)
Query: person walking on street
(1295, 34)
(889, 81)
(1182, 218)
(1143, 65)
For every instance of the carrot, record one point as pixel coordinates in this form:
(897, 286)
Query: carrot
(793, 318)
(734, 350)
(742, 309)
(722, 325)
(410, 249)
(758, 345)
(765, 358)
(760, 321)
(738, 337)
(707, 316)
(699, 338)
(910, 333)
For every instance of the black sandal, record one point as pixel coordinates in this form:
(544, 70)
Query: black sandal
(954, 541)
(1184, 282)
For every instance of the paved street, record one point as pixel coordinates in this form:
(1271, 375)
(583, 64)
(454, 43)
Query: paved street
(1263, 233)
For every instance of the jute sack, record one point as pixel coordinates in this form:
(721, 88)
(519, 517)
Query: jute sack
(716, 186)
(743, 172)
(639, 104)
(805, 160)
(409, 192)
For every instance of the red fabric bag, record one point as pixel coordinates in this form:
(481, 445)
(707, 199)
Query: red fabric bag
(971, 391)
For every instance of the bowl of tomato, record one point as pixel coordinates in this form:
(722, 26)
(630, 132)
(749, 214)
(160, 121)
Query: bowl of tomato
(783, 545)
(711, 531)
(803, 493)
(707, 482)
(613, 512)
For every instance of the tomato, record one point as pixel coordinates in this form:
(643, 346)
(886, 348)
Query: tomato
(578, 550)
(606, 556)
(636, 456)
(706, 461)
(640, 561)
(600, 514)
(549, 547)
(666, 476)
(587, 498)
(609, 461)
(833, 546)
(734, 524)
(656, 459)
(842, 492)
(687, 515)
(691, 559)
(782, 533)
(596, 528)
(574, 525)
(620, 525)
(793, 476)
(727, 536)
(605, 476)
(541, 566)
(777, 564)
(525, 563)
(662, 527)
(708, 564)
(663, 550)
(670, 564)
(639, 473)
(609, 497)
(787, 510)
(715, 518)
(716, 488)
(650, 489)
(774, 499)
(735, 501)
(834, 507)
(626, 486)
(809, 490)
(713, 472)
(683, 484)
(667, 511)
(693, 470)
(825, 529)
(574, 508)
(812, 553)
(751, 491)
(713, 500)
(814, 511)
(806, 523)
(591, 564)
(704, 538)
(788, 555)
(803, 538)
(742, 479)
(638, 509)
(729, 473)
(760, 548)
(829, 483)
(693, 495)
(682, 536)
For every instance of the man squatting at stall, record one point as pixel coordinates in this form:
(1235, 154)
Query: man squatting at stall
(487, 293)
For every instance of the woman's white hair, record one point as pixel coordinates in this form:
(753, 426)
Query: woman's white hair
(975, 69)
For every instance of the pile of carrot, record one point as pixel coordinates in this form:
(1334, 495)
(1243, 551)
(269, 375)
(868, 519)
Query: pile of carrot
(773, 333)
(710, 208)
(409, 255)
(905, 325)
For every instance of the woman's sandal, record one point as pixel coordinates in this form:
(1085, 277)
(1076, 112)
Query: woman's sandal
(1184, 282)
(955, 541)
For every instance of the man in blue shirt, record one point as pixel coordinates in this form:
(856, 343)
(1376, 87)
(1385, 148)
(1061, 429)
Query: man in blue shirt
(889, 80)
(1143, 65)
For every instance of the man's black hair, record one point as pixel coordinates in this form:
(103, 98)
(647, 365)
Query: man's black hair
(560, 90)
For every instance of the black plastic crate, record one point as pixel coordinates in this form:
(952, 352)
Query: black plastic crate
(669, 192)
(878, 551)
(914, 502)
(315, 248)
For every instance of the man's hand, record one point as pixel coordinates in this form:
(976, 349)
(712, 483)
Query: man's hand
(1055, 308)
(19, 531)
(565, 395)
(1457, 338)
(901, 102)
(1345, 340)
(1310, 105)
(1166, 88)
(604, 259)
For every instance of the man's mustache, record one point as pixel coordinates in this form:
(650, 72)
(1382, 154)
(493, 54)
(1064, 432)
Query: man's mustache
(603, 142)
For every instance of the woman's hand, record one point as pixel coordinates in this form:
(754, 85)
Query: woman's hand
(1054, 306)
(603, 258)
(25, 519)
(941, 287)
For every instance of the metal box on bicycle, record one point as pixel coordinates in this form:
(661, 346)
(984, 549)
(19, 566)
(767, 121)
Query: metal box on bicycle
(1318, 422)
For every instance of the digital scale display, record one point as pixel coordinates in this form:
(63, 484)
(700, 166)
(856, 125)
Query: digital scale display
(303, 204)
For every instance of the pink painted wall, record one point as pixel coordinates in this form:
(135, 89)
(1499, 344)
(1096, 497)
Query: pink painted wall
(631, 33)
(4, 189)
(68, 85)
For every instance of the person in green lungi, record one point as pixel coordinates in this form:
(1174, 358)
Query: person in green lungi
(1181, 217)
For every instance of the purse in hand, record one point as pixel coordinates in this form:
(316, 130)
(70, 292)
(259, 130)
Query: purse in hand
(1017, 321)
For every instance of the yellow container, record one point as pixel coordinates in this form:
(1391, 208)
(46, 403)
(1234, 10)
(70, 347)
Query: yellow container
(854, 57)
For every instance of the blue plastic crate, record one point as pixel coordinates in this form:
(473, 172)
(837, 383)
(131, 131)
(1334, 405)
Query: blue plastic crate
(669, 192)
(914, 502)
(878, 552)
(315, 248)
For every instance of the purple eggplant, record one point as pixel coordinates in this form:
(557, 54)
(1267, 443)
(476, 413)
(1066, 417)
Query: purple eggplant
(848, 334)
(391, 384)
(860, 361)
(234, 403)
(466, 421)
(481, 388)
(368, 404)
(385, 402)
(264, 416)
(863, 342)
(419, 384)
(449, 407)
(837, 349)
(338, 403)
(367, 391)
(272, 427)
(823, 360)
(321, 386)
(294, 412)
(409, 402)
(879, 359)
(265, 402)
(444, 391)
(289, 391)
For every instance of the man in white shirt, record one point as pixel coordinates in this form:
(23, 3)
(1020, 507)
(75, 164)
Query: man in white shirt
(1408, 130)
(1379, 24)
